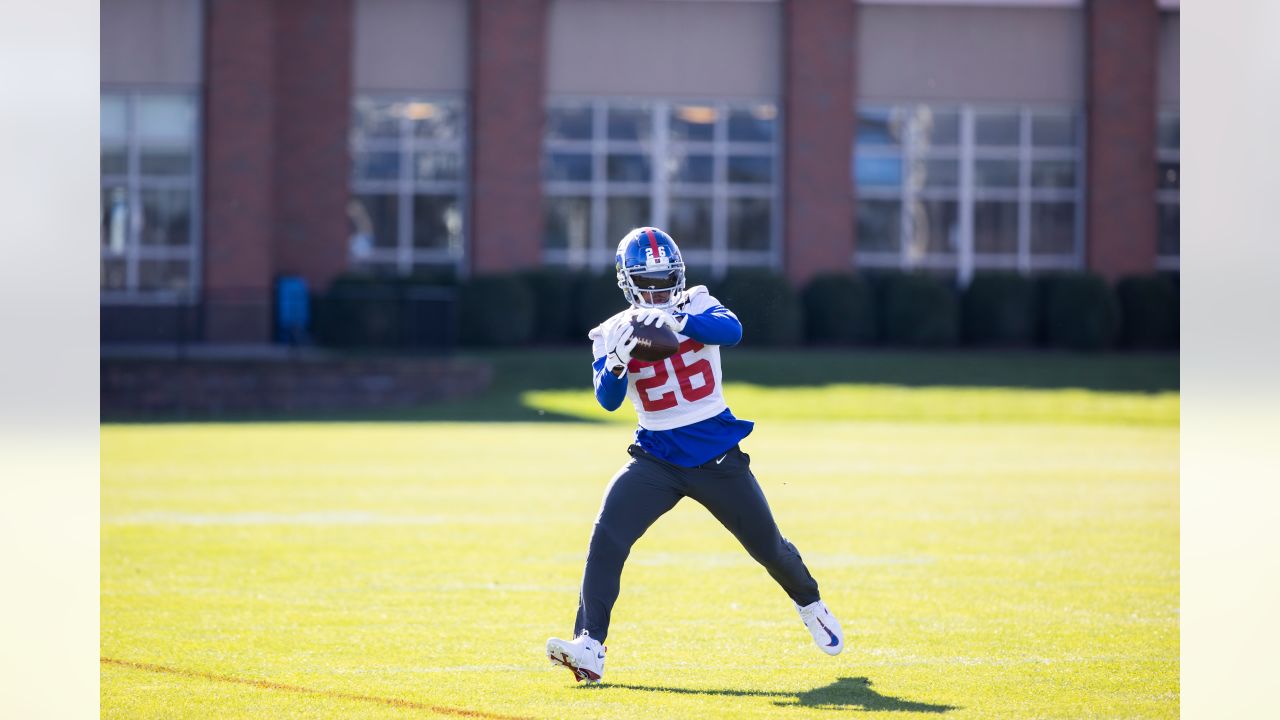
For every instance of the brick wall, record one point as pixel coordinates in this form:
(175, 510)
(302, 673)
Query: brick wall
(818, 99)
(313, 110)
(212, 388)
(508, 77)
(1120, 235)
(238, 171)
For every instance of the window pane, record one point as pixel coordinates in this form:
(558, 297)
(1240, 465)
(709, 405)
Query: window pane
(877, 171)
(939, 128)
(1167, 224)
(1053, 174)
(878, 126)
(441, 166)
(166, 217)
(995, 173)
(750, 223)
(630, 123)
(1053, 228)
(115, 219)
(935, 227)
(935, 174)
(995, 227)
(113, 274)
(693, 122)
(1167, 131)
(376, 165)
(434, 120)
(750, 169)
(113, 117)
(754, 125)
(566, 222)
(377, 216)
(689, 168)
(628, 168)
(166, 117)
(437, 222)
(571, 167)
(375, 119)
(879, 225)
(1053, 130)
(997, 129)
(690, 222)
(1169, 173)
(569, 122)
(114, 161)
(165, 161)
(623, 214)
(174, 275)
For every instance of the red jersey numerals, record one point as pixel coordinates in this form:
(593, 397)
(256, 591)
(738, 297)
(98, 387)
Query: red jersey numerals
(684, 372)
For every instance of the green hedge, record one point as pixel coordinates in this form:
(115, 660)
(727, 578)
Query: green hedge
(1149, 311)
(597, 298)
(917, 310)
(365, 310)
(496, 310)
(766, 305)
(1000, 308)
(839, 309)
(1079, 311)
(554, 295)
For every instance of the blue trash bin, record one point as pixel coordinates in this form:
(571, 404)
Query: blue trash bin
(293, 309)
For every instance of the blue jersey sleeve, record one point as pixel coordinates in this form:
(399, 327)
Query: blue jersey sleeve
(715, 326)
(610, 388)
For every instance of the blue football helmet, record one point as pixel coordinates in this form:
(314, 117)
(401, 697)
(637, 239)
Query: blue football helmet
(650, 268)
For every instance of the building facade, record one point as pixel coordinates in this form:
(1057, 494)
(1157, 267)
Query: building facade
(244, 140)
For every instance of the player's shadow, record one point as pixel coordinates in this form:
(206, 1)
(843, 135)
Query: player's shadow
(846, 693)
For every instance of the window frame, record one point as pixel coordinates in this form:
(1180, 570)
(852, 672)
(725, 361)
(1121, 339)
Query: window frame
(660, 190)
(134, 182)
(967, 259)
(404, 258)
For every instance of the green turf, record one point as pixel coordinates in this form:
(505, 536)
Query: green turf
(990, 556)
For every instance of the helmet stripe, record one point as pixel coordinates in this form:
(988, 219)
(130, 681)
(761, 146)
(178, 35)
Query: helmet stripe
(653, 243)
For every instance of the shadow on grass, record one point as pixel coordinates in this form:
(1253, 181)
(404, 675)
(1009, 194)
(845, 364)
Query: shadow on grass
(847, 693)
(517, 372)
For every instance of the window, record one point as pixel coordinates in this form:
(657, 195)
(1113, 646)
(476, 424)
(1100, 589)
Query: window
(705, 172)
(1168, 177)
(407, 178)
(957, 189)
(149, 212)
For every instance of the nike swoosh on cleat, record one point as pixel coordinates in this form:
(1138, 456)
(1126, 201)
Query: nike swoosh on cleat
(834, 641)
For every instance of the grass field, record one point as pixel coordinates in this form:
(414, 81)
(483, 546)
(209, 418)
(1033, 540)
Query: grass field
(998, 536)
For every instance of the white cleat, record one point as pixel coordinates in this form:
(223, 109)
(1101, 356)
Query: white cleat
(583, 656)
(823, 626)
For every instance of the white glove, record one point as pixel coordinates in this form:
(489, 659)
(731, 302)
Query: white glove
(655, 316)
(620, 343)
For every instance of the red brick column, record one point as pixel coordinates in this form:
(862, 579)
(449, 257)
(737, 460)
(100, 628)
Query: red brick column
(818, 45)
(1120, 234)
(238, 173)
(313, 45)
(508, 77)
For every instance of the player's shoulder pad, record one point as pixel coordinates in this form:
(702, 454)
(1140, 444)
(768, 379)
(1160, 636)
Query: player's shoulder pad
(697, 299)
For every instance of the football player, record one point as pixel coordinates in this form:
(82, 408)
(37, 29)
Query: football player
(686, 446)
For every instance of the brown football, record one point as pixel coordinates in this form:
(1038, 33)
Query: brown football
(653, 342)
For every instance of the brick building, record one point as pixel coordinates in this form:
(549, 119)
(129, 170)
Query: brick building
(243, 140)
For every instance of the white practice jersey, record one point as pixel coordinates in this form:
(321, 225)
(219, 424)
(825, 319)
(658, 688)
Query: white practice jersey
(681, 390)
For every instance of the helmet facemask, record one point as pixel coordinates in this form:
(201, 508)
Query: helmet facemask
(653, 288)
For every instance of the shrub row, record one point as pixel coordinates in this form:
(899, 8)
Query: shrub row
(1077, 310)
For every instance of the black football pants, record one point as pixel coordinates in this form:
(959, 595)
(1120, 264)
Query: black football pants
(647, 487)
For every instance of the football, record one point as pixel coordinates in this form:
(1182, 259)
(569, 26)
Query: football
(653, 342)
